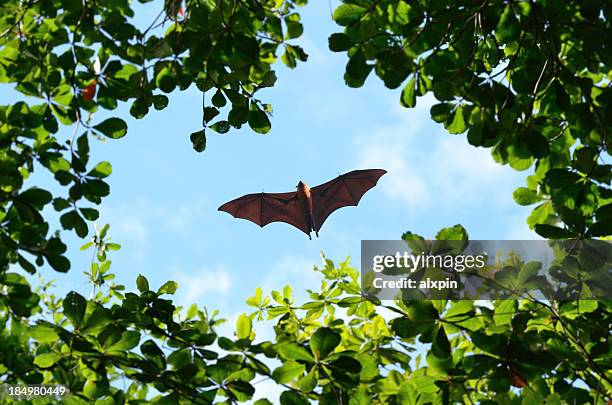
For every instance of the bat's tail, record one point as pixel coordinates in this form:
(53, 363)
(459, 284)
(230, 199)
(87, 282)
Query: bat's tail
(312, 223)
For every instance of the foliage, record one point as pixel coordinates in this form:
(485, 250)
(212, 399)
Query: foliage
(338, 347)
(70, 59)
(528, 79)
(569, 270)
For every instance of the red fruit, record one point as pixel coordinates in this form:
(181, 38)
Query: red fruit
(89, 92)
(517, 380)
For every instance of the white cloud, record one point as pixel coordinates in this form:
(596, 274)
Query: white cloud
(402, 182)
(127, 228)
(317, 56)
(131, 224)
(132, 228)
(441, 169)
(183, 216)
(519, 230)
(297, 271)
(193, 286)
(267, 389)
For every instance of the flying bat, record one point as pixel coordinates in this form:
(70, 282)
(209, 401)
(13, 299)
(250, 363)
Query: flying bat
(306, 208)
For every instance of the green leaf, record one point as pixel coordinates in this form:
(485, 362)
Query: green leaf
(604, 213)
(456, 232)
(288, 372)
(408, 393)
(60, 204)
(80, 226)
(600, 229)
(166, 80)
(552, 232)
(49, 121)
(441, 346)
(456, 123)
(459, 309)
(346, 364)
(288, 58)
(519, 164)
(292, 54)
(309, 381)
(221, 127)
(357, 70)
(293, 351)
(292, 398)
(399, 12)
(537, 144)
(198, 139)
(168, 288)
(160, 101)
(218, 99)
(539, 214)
(36, 197)
(409, 95)
(440, 112)
(102, 170)
(573, 218)
(361, 396)
(244, 327)
(525, 196)
(90, 214)
(112, 127)
(528, 270)
(339, 42)
(259, 121)
(559, 178)
(241, 389)
(142, 283)
(255, 301)
(268, 80)
(129, 340)
(74, 307)
(323, 342)
(294, 27)
(238, 115)
(209, 113)
(405, 328)
(46, 360)
(504, 311)
(98, 319)
(58, 262)
(139, 108)
(153, 353)
(43, 333)
(508, 27)
(422, 312)
(347, 13)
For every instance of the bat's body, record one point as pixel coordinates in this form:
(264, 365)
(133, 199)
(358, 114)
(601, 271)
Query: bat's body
(306, 208)
(304, 197)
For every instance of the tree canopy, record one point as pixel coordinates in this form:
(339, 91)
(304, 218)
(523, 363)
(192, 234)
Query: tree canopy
(528, 79)
(71, 59)
(337, 347)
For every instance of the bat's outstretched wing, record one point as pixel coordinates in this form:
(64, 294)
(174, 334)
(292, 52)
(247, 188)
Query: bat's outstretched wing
(263, 208)
(344, 190)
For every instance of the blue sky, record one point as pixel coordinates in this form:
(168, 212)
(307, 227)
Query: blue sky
(164, 196)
